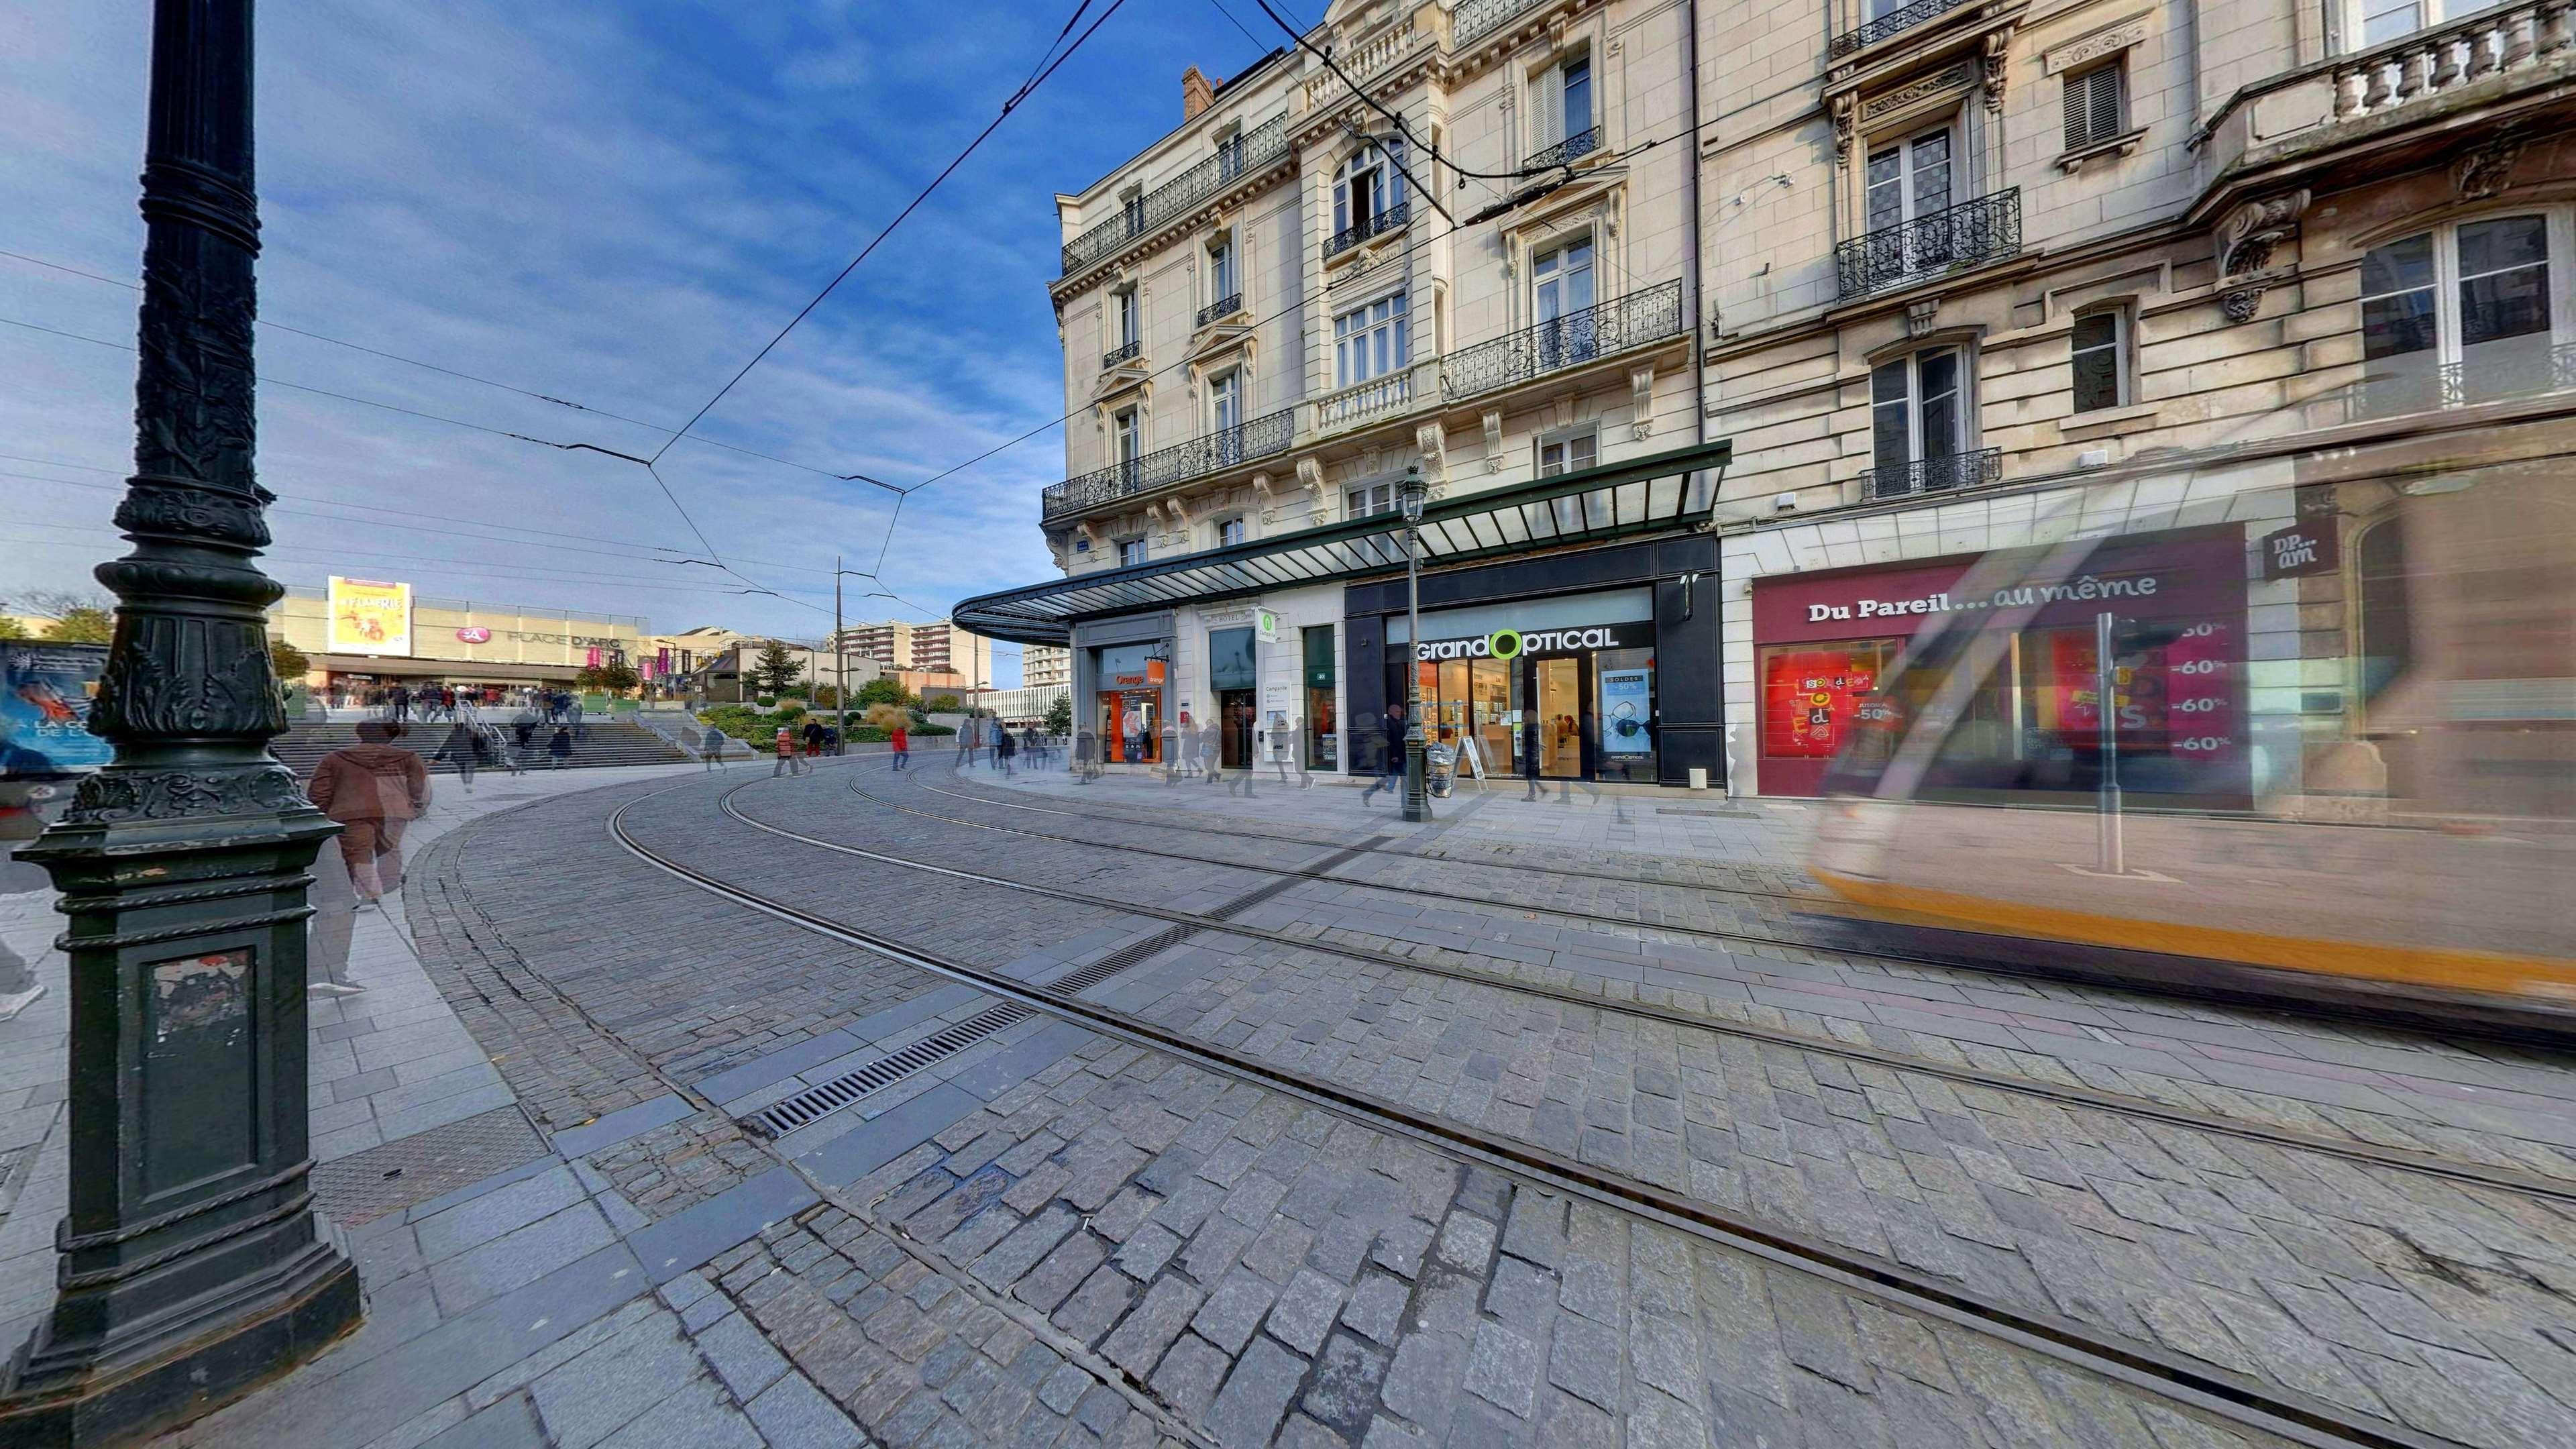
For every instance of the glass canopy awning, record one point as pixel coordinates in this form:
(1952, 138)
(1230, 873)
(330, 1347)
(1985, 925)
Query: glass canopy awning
(1641, 495)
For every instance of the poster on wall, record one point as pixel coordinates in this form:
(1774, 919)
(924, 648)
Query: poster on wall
(45, 695)
(1627, 709)
(370, 617)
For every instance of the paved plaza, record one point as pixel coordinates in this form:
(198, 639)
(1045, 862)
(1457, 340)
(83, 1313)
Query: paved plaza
(625, 1162)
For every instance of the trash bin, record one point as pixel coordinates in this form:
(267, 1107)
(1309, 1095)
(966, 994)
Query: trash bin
(1440, 769)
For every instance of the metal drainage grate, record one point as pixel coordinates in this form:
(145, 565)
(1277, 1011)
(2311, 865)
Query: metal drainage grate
(782, 1117)
(1074, 983)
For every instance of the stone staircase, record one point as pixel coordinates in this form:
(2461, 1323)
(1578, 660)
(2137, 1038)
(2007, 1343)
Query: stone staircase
(599, 743)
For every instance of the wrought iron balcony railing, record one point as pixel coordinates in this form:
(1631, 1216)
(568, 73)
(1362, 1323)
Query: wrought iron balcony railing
(1225, 306)
(1120, 353)
(1476, 19)
(2497, 371)
(1892, 23)
(1247, 152)
(1980, 469)
(1568, 151)
(1963, 235)
(1360, 231)
(1576, 338)
(1163, 467)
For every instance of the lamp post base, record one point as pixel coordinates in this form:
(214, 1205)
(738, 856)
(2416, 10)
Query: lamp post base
(154, 1376)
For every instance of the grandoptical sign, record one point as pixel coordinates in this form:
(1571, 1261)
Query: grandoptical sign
(1513, 643)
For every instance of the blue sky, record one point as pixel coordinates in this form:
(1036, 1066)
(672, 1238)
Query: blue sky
(614, 204)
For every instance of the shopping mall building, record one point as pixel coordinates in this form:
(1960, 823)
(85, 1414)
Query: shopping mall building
(1742, 368)
(362, 635)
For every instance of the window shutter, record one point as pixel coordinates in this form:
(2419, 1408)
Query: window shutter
(2093, 106)
(2107, 121)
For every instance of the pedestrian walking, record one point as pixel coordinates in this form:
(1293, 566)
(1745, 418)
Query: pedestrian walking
(966, 741)
(374, 789)
(398, 699)
(525, 727)
(1212, 751)
(559, 748)
(572, 707)
(813, 738)
(1004, 747)
(1390, 774)
(901, 739)
(712, 747)
(1183, 759)
(1086, 755)
(789, 762)
(464, 748)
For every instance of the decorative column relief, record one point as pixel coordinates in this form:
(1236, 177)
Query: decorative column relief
(1641, 399)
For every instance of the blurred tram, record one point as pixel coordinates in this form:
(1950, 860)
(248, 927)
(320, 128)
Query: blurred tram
(2341, 775)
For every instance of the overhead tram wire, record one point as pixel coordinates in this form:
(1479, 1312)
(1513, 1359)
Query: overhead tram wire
(542, 397)
(1027, 88)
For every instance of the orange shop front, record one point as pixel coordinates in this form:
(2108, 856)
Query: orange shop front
(1127, 703)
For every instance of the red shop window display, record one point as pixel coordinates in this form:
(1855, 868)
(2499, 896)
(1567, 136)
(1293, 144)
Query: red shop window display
(1815, 695)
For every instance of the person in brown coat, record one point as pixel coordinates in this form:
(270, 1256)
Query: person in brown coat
(373, 788)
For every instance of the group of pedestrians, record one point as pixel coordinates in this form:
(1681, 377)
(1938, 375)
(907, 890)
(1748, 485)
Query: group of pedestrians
(432, 701)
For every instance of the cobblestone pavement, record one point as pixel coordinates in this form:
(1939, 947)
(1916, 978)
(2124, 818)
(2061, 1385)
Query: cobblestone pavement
(2391, 1294)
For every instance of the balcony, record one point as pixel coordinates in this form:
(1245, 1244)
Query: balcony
(1123, 352)
(1360, 402)
(1981, 469)
(1961, 236)
(1260, 438)
(1475, 19)
(2499, 372)
(1361, 230)
(1893, 23)
(1566, 152)
(1600, 330)
(1246, 153)
(1225, 306)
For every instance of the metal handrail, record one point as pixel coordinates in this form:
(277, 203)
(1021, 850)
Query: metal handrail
(1120, 353)
(2466, 383)
(1892, 23)
(1260, 438)
(1225, 306)
(1247, 152)
(1649, 315)
(1981, 468)
(1568, 151)
(1385, 221)
(1970, 232)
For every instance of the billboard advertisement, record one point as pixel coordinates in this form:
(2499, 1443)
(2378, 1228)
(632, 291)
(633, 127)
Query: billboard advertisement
(368, 617)
(45, 695)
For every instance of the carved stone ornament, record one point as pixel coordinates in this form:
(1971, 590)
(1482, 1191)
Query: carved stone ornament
(2480, 172)
(1845, 119)
(1319, 505)
(114, 796)
(1641, 398)
(1493, 421)
(1954, 78)
(2093, 47)
(1433, 443)
(1265, 500)
(1998, 60)
(2240, 304)
(2245, 244)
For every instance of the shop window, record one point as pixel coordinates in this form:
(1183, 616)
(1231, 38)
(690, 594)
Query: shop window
(2462, 314)
(1815, 696)
(1321, 672)
(1918, 410)
(2101, 360)
(2387, 613)
(2096, 105)
(1371, 341)
(1569, 452)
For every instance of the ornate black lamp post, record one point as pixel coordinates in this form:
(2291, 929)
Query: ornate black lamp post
(193, 1263)
(1417, 805)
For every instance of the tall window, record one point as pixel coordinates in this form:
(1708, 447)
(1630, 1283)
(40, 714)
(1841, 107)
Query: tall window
(1917, 411)
(1571, 453)
(1222, 284)
(1131, 552)
(1229, 533)
(2101, 360)
(2096, 105)
(1909, 179)
(1126, 438)
(1561, 297)
(2377, 21)
(1564, 105)
(2461, 313)
(1363, 501)
(1125, 318)
(1369, 191)
(1371, 341)
(1225, 401)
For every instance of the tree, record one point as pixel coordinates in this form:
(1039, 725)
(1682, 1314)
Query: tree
(82, 625)
(615, 677)
(941, 704)
(827, 696)
(289, 662)
(1059, 715)
(881, 691)
(776, 670)
(11, 628)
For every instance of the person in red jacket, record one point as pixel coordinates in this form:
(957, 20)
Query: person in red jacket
(901, 739)
(374, 789)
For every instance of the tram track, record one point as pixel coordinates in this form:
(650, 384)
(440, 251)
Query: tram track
(2351, 1149)
(2220, 1393)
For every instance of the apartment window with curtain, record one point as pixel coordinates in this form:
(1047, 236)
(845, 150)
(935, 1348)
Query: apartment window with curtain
(1225, 290)
(1124, 318)
(1562, 107)
(1371, 341)
(1561, 297)
(1369, 192)
(2466, 312)
(1569, 453)
(1131, 552)
(1126, 438)
(1230, 533)
(1918, 411)
(2101, 360)
(1368, 500)
(2097, 105)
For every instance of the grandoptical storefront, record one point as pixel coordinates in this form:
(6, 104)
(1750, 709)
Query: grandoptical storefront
(2025, 701)
(1597, 665)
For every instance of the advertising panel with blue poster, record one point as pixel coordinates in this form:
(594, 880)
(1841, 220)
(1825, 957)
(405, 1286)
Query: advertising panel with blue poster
(1627, 711)
(45, 695)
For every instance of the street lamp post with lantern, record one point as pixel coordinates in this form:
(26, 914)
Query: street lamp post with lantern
(1411, 494)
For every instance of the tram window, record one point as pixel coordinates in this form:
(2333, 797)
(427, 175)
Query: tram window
(2387, 633)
